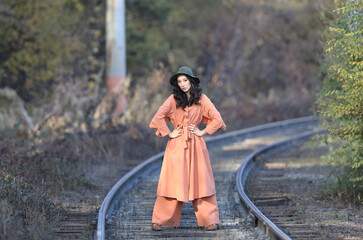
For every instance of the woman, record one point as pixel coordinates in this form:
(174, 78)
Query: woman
(186, 174)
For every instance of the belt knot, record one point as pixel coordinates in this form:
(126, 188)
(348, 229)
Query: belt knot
(186, 136)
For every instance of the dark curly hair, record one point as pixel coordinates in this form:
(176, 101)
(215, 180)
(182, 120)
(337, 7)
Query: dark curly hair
(181, 97)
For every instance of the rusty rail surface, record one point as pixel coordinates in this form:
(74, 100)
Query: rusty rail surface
(149, 164)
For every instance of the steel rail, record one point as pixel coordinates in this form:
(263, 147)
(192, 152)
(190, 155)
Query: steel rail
(122, 183)
(270, 228)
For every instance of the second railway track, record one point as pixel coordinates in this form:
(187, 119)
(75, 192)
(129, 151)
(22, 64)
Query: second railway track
(272, 186)
(128, 207)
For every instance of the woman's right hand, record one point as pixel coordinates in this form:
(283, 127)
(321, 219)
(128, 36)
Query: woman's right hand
(177, 132)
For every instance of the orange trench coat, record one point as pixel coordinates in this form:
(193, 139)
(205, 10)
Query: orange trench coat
(186, 173)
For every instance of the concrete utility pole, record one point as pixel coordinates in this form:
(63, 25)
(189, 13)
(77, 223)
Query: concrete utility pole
(116, 50)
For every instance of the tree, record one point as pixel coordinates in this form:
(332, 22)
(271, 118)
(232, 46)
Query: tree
(42, 41)
(341, 98)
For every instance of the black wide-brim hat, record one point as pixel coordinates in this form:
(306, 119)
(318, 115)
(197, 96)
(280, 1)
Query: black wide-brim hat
(183, 71)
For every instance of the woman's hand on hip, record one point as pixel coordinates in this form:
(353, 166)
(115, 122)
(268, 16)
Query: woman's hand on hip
(196, 130)
(177, 132)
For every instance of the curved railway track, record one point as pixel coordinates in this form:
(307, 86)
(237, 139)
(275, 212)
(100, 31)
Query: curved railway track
(127, 209)
(271, 206)
(276, 185)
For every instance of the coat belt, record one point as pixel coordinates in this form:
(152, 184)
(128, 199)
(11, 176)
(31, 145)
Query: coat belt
(186, 136)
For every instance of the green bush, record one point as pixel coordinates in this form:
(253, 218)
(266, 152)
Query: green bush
(44, 41)
(341, 99)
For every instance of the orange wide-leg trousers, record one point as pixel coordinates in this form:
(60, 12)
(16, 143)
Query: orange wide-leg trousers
(167, 211)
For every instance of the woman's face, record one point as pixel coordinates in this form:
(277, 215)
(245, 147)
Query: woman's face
(184, 83)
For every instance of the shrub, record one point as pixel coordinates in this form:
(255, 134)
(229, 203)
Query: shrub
(341, 98)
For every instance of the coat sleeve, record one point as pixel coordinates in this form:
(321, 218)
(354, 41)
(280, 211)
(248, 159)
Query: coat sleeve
(211, 116)
(161, 117)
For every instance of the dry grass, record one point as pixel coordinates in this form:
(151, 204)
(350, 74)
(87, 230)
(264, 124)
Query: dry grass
(41, 177)
(37, 178)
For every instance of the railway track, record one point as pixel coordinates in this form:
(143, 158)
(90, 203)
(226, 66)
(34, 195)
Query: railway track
(127, 209)
(260, 186)
(76, 223)
(272, 186)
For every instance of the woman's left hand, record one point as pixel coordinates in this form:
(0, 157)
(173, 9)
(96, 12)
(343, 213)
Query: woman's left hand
(196, 130)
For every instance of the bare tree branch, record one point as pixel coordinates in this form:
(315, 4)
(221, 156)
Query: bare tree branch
(44, 121)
